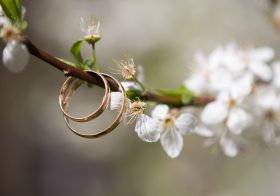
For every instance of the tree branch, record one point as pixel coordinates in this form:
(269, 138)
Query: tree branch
(71, 71)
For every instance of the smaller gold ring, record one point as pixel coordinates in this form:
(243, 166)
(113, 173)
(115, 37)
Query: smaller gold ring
(65, 96)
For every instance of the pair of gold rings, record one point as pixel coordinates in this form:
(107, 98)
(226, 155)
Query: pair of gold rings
(71, 85)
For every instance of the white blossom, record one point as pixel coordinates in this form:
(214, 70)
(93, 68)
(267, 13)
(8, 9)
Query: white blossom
(254, 60)
(227, 108)
(172, 127)
(145, 127)
(209, 72)
(91, 28)
(15, 56)
(229, 143)
(200, 81)
(246, 91)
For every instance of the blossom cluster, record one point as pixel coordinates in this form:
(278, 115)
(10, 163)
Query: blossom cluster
(245, 84)
(165, 124)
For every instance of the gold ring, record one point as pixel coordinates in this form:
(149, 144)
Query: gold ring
(111, 127)
(66, 94)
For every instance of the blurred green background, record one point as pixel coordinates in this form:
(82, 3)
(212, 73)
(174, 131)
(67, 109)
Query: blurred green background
(40, 156)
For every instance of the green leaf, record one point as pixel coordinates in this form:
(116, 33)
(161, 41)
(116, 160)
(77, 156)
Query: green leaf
(69, 63)
(76, 51)
(183, 92)
(18, 5)
(89, 63)
(133, 94)
(10, 8)
(170, 92)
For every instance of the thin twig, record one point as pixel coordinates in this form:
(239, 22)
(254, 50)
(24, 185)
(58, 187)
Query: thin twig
(71, 71)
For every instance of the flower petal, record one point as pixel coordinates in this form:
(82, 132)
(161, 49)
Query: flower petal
(203, 131)
(242, 87)
(263, 71)
(116, 100)
(83, 25)
(197, 83)
(15, 56)
(129, 85)
(220, 79)
(160, 111)
(172, 142)
(140, 73)
(200, 59)
(267, 99)
(147, 128)
(184, 122)
(215, 57)
(229, 147)
(214, 113)
(276, 74)
(4, 21)
(237, 121)
(269, 132)
(263, 54)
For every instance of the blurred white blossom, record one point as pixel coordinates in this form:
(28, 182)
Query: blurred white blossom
(228, 109)
(256, 61)
(267, 101)
(245, 85)
(220, 134)
(15, 54)
(91, 28)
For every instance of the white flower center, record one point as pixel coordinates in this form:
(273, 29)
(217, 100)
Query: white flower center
(137, 107)
(168, 121)
(271, 115)
(128, 72)
(232, 103)
(10, 33)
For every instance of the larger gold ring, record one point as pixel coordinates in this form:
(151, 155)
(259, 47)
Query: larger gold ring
(66, 94)
(111, 127)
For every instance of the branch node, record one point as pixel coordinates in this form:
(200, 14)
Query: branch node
(66, 72)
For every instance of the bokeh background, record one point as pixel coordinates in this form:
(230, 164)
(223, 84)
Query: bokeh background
(40, 156)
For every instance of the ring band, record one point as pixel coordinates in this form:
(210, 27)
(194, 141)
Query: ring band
(65, 97)
(111, 127)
